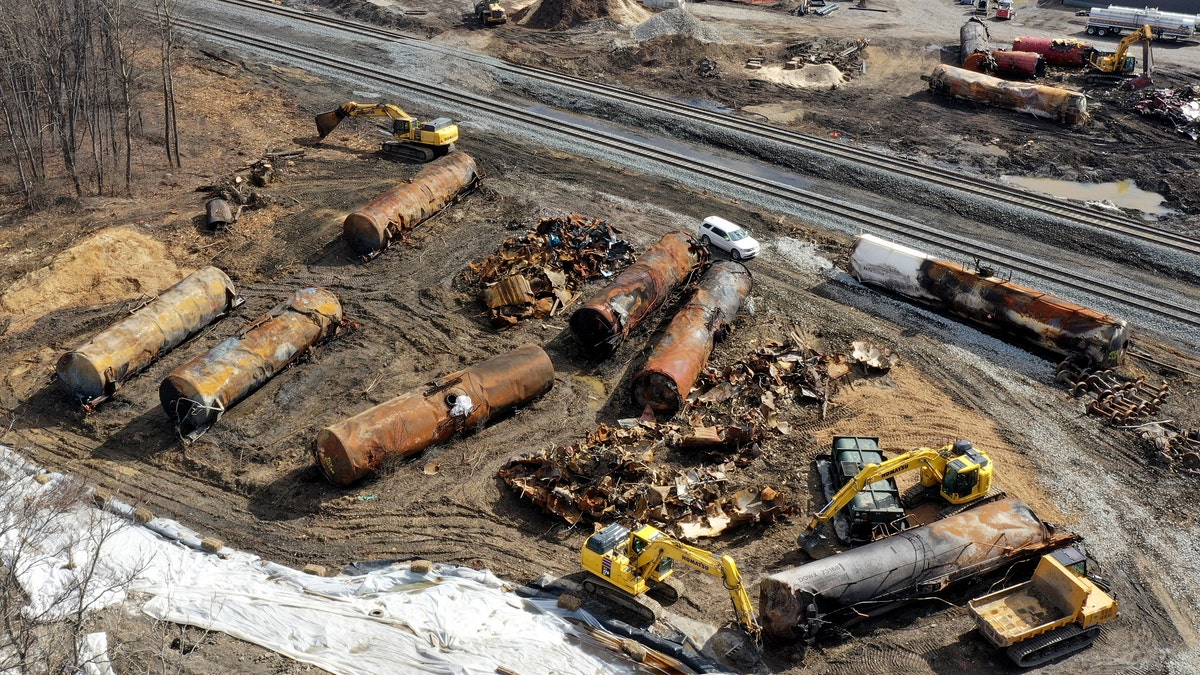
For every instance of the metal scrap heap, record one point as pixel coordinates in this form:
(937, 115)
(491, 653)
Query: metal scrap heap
(537, 274)
(846, 54)
(1179, 108)
(612, 476)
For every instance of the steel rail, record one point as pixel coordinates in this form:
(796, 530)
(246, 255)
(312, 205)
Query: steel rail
(968, 184)
(868, 218)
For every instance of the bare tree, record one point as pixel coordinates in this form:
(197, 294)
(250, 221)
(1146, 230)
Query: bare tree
(41, 529)
(69, 91)
(164, 11)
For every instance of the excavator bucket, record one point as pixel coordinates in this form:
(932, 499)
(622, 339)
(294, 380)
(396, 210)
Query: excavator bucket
(817, 545)
(328, 121)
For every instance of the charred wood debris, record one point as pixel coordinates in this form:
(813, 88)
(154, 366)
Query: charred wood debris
(1133, 404)
(733, 412)
(539, 273)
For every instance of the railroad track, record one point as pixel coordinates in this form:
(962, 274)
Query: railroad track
(971, 185)
(870, 220)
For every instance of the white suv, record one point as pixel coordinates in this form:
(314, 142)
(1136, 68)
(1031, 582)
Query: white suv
(718, 232)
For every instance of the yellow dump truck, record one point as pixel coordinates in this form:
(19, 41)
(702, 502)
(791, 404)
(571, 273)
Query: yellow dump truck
(1056, 613)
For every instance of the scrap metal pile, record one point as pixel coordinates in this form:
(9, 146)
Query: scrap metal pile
(1119, 400)
(1179, 108)
(536, 274)
(846, 54)
(1132, 404)
(613, 475)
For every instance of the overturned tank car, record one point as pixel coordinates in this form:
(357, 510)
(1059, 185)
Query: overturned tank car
(865, 581)
(1042, 319)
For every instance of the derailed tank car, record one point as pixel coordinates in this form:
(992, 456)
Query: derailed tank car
(1042, 319)
(861, 582)
(1063, 105)
(1057, 52)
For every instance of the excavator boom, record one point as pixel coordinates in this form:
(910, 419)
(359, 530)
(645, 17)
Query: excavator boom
(410, 140)
(962, 474)
(1117, 62)
(635, 562)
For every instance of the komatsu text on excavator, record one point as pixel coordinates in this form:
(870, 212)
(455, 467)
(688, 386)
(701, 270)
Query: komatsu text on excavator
(959, 473)
(418, 141)
(630, 563)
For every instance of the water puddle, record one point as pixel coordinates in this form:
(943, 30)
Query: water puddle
(706, 104)
(668, 145)
(1125, 194)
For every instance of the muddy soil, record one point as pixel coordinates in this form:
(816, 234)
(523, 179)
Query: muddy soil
(251, 479)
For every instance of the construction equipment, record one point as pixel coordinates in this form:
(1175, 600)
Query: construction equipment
(1118, 62)
(490, 13)
(410, 140)
(961, 475)
(1056, 613)
(1004, 10)
(634, 562)
(982, 7)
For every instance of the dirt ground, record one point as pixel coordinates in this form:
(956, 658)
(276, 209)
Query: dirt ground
(70, 271)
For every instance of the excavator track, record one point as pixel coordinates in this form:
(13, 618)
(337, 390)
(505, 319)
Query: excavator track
(991, 496)
(648, 611)
(409, 151)
(1057, 643)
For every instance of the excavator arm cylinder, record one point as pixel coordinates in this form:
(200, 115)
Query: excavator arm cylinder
(353, 448)
(675, 362)
(607, 319)
(199, 392)
(396, 212)
(98, 367)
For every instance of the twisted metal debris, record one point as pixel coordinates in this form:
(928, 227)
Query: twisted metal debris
(612, 475)
(537, 274)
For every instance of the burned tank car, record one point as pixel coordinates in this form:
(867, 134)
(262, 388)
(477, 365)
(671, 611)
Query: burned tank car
(1056, 103)
(1039, 318)
(797, 603)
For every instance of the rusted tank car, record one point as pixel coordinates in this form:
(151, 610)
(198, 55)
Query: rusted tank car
(675, 361)
(603, 323)
(973, 40)
(852, 585)
(394, 213)
(93, 371)
(1022, 65)
(1062, 52)
(1042, 319)
(197, 393)
(1062, 105)
(353, 448)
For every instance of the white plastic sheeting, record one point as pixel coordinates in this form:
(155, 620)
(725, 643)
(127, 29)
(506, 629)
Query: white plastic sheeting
(450, 620)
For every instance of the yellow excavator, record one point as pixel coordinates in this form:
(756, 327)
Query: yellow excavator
(958, 472)
(410, 140)
(630, 563)
(1120, 64)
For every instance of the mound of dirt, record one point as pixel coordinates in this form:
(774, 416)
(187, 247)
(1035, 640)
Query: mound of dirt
(564, 14)
(811, 76)
(113, 264)
(674, 22)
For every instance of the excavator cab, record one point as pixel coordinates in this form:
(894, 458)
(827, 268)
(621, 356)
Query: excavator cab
(967, 476)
